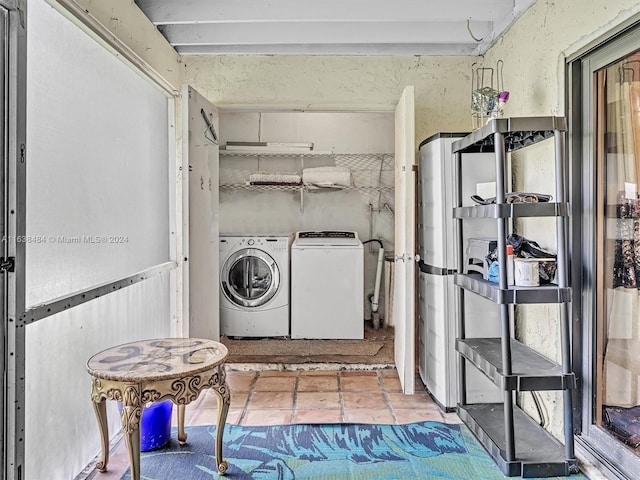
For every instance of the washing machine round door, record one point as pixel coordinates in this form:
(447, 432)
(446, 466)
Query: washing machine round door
(250, 278)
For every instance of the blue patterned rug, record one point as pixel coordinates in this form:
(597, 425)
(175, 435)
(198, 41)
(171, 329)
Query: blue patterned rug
(424, 450)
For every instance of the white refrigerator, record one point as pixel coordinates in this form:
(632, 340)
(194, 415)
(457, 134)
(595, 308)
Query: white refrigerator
(438, 296)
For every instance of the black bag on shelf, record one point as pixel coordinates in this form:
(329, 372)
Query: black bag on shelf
(524, 248)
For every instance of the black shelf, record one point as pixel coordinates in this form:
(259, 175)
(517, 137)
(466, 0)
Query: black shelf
(518, 133)
(517, 443)
(513, 210)
(531, 371)
(537, 452)
(551, 293)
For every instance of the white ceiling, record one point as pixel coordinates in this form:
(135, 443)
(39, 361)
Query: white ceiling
(333, 27)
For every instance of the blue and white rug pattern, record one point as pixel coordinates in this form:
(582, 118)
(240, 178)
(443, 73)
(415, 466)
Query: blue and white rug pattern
(423, 450)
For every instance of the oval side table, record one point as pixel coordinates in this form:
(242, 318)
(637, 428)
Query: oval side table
(136, 373)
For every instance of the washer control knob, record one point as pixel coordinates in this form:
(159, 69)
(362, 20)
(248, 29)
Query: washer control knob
(251, 241)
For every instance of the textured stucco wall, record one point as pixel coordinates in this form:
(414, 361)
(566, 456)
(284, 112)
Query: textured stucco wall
(534, 52)
(338, 83)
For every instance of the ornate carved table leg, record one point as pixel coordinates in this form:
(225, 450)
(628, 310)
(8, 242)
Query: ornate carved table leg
(100, 407)
(224, 399)
(182, 436)
(131, 413)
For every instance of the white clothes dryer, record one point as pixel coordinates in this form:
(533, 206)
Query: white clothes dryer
(254, 285)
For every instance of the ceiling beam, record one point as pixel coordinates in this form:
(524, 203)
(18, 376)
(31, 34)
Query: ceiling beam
(163, 12)
(316, 33)
(330, 49)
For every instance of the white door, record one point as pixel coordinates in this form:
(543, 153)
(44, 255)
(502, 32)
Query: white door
(405, 232)
(201, 292)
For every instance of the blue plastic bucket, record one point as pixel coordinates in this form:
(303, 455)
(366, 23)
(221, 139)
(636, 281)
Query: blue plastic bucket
(155, 425)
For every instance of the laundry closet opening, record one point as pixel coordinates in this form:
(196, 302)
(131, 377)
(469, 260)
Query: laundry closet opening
(285, 172)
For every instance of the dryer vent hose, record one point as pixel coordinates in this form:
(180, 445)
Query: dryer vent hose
(376, 240)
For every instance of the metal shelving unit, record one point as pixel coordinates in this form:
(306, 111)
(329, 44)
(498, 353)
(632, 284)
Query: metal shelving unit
(518, 444)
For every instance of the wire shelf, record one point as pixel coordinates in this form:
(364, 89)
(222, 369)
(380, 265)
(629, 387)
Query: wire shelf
(297, 188)
(368, 171)
(260, 188)
(273, 154)
(372, 174)
(365, 161)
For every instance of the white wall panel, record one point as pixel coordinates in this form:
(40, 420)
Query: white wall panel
(97, 168)
(61, 431)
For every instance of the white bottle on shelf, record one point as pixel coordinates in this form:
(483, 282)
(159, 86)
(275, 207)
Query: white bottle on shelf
(510, 276)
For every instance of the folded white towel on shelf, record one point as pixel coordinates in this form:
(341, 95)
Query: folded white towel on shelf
(327, 176)
(272, 178)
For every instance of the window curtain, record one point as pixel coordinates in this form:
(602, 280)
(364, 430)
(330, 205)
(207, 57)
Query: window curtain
(623, 113)
(619, 94)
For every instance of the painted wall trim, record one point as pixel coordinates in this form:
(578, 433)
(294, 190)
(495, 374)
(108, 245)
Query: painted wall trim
(175, 220)
(65, 303)
(82, 17)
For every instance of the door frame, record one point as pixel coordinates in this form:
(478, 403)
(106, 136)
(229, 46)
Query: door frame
(14, 195)
(591, 440)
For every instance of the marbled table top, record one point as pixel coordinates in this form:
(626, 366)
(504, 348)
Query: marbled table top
(157, 359)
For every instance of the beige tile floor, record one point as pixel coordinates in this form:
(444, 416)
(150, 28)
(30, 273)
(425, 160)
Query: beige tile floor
(323, 396)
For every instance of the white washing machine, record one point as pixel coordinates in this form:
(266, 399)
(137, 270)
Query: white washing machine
(327, 279)
(254, 285)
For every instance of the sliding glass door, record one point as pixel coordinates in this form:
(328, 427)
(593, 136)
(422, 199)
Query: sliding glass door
(617, 394)
(607, 222)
